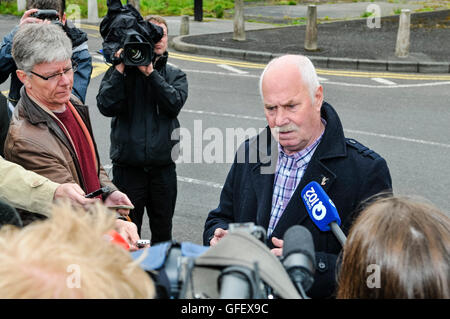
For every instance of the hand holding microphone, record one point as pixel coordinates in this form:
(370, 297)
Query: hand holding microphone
(322, 210)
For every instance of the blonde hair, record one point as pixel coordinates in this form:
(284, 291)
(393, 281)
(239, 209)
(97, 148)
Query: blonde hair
(409, 241)
(69, 256)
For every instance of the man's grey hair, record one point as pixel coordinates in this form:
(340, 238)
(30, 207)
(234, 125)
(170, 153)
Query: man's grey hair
(40, 43)
(46, 4)
(307, 72)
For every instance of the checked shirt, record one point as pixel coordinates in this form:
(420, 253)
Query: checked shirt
(289, 172)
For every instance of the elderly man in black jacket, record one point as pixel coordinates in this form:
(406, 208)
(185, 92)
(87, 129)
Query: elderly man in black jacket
(303, 142)
(144, 103)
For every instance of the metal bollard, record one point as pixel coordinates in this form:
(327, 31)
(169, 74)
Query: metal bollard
(21, 4)
(184, 26)
(239, 22)
(311, 29)
(92, 11)
(136, 4)
(402, 45)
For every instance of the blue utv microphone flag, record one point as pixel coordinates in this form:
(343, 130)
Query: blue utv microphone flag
(322, 210)
(320, 207)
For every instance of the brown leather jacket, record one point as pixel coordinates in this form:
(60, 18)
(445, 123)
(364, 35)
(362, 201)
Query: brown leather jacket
(36, 142)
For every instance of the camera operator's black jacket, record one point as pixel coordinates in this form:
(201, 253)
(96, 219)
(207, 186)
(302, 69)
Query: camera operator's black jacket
(144, 112)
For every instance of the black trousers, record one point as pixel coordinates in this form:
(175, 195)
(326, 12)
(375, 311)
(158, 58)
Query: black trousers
(153, 188)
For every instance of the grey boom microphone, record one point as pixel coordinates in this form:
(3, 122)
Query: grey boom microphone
(299, 257)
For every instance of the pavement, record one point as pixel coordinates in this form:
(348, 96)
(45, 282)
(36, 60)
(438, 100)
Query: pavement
(345, 40)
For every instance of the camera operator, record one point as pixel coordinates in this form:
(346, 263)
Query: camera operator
(144, 102)
(80, 53)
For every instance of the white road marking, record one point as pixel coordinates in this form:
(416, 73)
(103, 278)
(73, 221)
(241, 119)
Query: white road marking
(108, 169)
(199, 182)
(232, 69)
(399, 138)
(398, 86)
(237, 72)
(221, 73)
(246, 117)
(370, 86)
(393, 137)
(97, 56)
(384, 81)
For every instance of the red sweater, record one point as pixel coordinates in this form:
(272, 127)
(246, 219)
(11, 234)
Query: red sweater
(82, 148)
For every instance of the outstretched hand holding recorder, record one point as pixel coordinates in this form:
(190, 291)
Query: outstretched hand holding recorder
(98, 192)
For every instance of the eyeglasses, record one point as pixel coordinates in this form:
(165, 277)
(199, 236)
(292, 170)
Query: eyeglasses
(58, 75)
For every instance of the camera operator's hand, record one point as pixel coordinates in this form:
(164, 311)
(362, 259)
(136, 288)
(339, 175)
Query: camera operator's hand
(219, 233)
(27, 19)
(147, 70)
(119, 67)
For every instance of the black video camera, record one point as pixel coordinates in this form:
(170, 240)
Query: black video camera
(124, 27)
(51, 15)
(256, 231)
(136, 51)
(47, 14)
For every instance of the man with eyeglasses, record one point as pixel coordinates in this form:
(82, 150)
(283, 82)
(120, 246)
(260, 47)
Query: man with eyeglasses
(50, 131)
(80, 52)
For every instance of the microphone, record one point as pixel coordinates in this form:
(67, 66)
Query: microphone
(235, 282)
(299, 257)
(9, 215)
(240, 260)
(322, 210)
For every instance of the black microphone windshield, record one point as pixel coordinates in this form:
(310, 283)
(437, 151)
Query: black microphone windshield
(298, 239)
(9, 215)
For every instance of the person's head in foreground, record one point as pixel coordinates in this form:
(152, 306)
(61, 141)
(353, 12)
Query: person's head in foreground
(398, 247)
(69, 256)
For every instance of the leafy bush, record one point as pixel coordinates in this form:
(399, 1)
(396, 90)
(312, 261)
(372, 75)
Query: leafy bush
(9, 7)
(218, 10)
